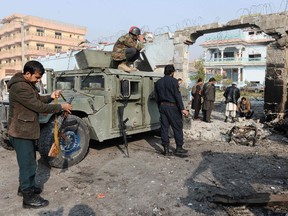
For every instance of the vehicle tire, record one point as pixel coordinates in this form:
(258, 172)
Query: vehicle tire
(256, 90)
(74, 142)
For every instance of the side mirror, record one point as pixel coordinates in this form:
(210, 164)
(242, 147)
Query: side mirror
(125, 88)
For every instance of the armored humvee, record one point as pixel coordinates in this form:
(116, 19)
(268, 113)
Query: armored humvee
(98, 93)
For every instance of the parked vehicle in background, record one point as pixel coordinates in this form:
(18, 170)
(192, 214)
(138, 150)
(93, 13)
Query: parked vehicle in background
(241, 85)
(220, 86)
(3, 89)
(254, 87)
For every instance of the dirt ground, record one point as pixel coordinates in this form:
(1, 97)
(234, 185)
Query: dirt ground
(107, 183)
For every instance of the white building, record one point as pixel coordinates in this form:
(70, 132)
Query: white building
(238, 55)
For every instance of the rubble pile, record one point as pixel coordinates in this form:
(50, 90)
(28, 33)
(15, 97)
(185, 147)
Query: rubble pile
(244, 131)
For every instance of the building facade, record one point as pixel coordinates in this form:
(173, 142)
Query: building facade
(24, 37)
(238, 55)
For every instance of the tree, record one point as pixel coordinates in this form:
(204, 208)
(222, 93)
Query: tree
(199, 66)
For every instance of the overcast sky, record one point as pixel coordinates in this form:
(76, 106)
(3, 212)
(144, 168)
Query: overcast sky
(106, 19)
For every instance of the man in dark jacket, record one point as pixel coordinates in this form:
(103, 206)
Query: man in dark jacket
(231, 94)
(25, 104)
(209, 98)
(127, 49)
(171, 109)
(197, 95)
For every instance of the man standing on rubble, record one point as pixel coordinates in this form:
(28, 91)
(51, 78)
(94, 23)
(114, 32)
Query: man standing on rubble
(209, 94)
(127, 49)
(25, 104)
(171, 109)
(231, 94)
(196, 100)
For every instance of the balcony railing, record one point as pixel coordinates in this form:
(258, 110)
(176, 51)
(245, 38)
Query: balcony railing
(27, 52)
(235, 61)
(47, 38)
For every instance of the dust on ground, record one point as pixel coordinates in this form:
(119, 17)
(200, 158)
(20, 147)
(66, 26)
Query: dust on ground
(108, 183)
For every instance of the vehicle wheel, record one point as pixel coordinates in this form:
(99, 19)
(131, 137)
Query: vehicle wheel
(256, 90)
(74, 142)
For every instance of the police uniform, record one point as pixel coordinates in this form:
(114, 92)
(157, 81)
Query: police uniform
(170, 105)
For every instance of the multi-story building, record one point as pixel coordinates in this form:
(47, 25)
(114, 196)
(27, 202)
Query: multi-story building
(238, 55)
(24, 37)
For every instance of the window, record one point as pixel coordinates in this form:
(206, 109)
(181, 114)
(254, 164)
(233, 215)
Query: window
(40, 32)
(65, 83)
(58, 48)
(254, 57)
(40, 46)
(58, 35)
(134, 87)
(92, 82)
(229, 56)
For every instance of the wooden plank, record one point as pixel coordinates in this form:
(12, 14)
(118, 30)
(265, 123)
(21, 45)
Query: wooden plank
(254, 199)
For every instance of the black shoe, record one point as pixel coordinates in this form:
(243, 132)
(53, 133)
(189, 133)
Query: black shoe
(32, 200)
(167, 151)
(226, 119)
(35, 189)
(180, 150)
(233, 120)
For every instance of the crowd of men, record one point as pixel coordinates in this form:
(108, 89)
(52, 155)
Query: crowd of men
(204, 97)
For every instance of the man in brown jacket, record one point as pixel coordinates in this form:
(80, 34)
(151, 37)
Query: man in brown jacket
(244, 108)
(209, 98)
(25, 104)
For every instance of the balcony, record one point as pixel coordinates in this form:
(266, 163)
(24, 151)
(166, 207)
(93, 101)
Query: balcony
(235, 62)
(49, 39)
(27, 52)
(4, 42)
(64, 41)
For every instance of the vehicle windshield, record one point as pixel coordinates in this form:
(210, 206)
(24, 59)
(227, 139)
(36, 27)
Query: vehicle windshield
(93, 82)
(65, 83)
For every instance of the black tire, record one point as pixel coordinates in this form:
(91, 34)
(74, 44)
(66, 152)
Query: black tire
(73, 149)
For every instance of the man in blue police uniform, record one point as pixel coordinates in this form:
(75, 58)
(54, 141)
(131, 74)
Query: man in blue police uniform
(171, 109)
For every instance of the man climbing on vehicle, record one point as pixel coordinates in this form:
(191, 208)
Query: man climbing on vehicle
(127, 49)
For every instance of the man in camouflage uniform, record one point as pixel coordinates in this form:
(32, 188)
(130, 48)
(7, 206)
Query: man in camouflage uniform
(127, 49)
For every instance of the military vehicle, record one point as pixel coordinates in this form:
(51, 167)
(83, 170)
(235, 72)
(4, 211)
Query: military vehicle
(107, 103)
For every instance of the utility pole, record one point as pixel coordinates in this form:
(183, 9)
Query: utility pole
(22, 42)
